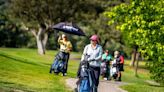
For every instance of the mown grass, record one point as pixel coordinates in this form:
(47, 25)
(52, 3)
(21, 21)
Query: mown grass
(25, 70)
(143, 88)
(139, 84)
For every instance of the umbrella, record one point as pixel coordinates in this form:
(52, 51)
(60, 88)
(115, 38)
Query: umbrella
(69, 28)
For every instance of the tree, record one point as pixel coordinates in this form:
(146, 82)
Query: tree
(143, 21)
(99, 26)
(10, 34)
(32, 17)
(37, 16)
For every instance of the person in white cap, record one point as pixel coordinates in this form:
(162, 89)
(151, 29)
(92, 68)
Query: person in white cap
(120, 62)
(65, 48)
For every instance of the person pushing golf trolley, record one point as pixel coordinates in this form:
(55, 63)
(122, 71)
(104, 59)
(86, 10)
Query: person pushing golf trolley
(117, 66)
(89, 68)
(61, 59)
(60, 62)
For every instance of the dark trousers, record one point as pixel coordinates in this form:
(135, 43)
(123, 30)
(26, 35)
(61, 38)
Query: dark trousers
(107, 74)
(95, 74)
(66, 56)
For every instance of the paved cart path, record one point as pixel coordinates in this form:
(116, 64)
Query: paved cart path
(104, 86)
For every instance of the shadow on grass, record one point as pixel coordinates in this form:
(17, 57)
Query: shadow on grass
(139, 67)
(22, 60)
(13, 87)
(156, 85)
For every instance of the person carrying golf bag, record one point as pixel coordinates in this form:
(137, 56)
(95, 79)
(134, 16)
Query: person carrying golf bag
(89, 69)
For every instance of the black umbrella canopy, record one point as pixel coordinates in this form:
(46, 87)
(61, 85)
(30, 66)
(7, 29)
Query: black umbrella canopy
(69, 28)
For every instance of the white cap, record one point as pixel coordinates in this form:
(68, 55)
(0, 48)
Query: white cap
(63, 35)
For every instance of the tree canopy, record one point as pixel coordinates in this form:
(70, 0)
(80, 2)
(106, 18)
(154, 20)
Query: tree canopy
(40, 15)
(143, 22)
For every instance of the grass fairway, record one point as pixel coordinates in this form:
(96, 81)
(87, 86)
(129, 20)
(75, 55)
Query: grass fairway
(23, 70)
(139, 84)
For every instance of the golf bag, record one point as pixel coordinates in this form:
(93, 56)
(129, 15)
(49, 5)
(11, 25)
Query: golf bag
(114, 69)
(58, 64)
(103, 67)
(85, 75)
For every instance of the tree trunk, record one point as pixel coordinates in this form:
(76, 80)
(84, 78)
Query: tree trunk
(40, 46)
(103, 46)
(41, 40)
(45, 39)
(136, 67)
(123, 1)
(133, 59)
